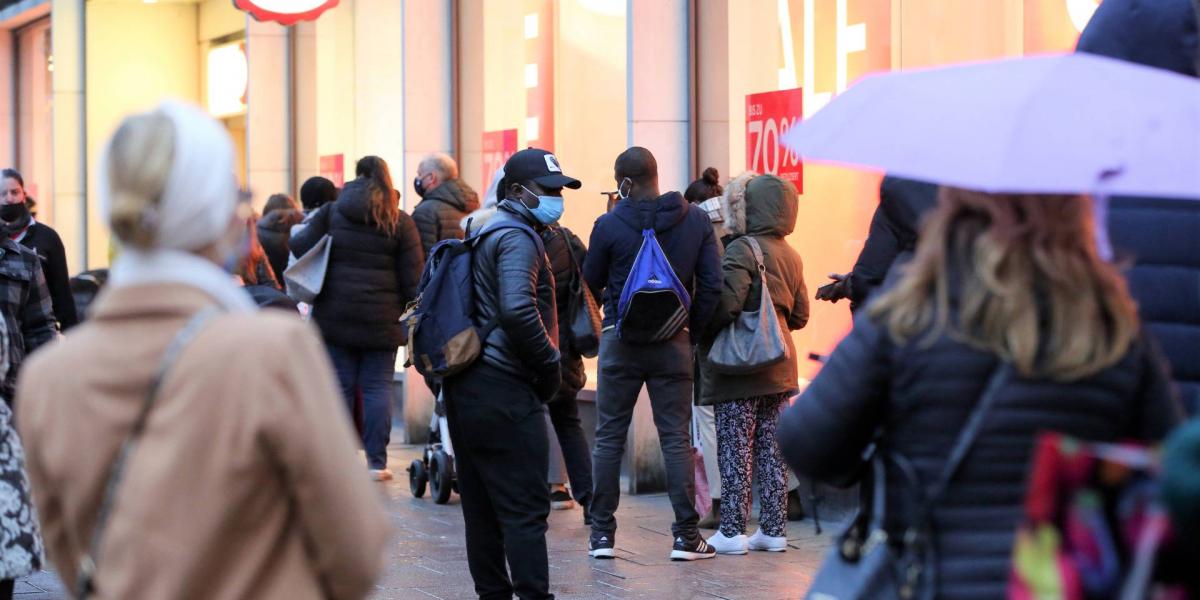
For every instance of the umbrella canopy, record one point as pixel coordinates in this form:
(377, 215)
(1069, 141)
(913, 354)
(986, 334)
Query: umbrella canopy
(1048, 124)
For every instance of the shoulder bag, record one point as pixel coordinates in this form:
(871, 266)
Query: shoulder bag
(865, 563)
(305, 278)
(85, 584)
(583, 313)
(755, 340)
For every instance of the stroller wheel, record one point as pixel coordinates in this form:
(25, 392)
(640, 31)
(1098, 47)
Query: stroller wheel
(417, 476)
(441, 476)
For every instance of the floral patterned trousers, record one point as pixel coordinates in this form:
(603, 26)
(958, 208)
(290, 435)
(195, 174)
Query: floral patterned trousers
(745, 436)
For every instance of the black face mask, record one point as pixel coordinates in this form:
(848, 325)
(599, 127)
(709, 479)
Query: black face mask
(419, 185)
(14, 218)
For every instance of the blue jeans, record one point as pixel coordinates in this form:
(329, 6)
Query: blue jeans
(370, 371)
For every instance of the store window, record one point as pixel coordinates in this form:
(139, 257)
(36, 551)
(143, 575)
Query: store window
(762, 62)
(551, 73)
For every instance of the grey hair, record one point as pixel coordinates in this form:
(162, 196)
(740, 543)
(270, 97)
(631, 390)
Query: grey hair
(440, 163)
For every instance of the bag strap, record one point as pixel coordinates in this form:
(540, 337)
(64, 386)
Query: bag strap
(85, 584)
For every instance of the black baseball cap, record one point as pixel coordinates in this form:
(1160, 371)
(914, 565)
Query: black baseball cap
(540, 167)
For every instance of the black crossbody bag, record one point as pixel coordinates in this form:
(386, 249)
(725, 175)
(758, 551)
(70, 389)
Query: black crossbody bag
(85, 583)
(865, 563)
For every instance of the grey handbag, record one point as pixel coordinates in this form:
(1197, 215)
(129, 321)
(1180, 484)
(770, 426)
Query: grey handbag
(755, 340)
(305, 279)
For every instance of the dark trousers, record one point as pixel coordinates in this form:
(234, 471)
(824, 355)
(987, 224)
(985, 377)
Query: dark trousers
(564, 415)
(499, 437)
(371, 372)
(666, 370)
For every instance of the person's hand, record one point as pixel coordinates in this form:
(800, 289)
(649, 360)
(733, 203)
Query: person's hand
(838, 289)
(548, 383)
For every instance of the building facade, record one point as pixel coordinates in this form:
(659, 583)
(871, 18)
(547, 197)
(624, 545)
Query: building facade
(699, 82)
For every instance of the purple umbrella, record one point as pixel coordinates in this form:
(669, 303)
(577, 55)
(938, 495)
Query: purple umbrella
(1072, 123)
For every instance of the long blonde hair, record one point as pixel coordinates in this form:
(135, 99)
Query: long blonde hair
(1026, 281)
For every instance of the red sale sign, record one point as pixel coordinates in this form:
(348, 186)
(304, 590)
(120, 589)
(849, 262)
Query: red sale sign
(497, 147)
(768, 117)
(333, 168)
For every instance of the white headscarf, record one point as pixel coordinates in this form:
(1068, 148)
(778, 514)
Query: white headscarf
(201, 192)
(194, 211)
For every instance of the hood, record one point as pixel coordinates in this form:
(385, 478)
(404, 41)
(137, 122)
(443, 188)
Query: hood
(482, 217)
(280, 220)
(664, 212)
(733, 203)
(1156, 33)
(456, 193)
(771, 206)
(354, 202)
(906, 202)
(477, 220)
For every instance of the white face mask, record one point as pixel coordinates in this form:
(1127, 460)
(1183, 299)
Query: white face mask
(622, 191)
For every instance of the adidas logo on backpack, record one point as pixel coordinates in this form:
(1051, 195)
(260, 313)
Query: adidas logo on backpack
(652, 308)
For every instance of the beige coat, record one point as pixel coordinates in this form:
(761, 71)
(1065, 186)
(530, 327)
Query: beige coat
(246, 483)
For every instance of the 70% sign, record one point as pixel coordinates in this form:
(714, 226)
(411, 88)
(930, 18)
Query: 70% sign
(768, 117)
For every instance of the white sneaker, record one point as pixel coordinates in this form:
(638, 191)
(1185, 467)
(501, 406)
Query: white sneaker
(381, 475)
(766, 543)
(728, 545)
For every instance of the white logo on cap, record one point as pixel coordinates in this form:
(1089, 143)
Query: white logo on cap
(552, 164)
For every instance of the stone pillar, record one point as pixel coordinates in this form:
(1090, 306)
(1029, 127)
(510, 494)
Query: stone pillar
(268, 122)
(658, 72)
(70, 133)
(304, 119)
(8, 105)
(428, 112)
(659, 75)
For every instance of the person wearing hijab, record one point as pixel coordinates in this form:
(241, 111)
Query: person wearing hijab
(240, 481)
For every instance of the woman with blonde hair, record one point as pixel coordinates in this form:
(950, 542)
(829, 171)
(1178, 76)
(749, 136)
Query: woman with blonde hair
(1008, 318)
(197, 448)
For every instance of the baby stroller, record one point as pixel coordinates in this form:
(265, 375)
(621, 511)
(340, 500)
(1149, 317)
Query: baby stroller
(436, 465)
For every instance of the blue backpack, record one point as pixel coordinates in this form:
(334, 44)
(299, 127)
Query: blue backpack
(443, 339)
(654, 304)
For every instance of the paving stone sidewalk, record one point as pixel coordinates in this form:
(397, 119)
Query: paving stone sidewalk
(427, 558)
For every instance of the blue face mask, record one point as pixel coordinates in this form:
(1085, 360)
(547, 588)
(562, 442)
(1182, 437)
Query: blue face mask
(549, 209)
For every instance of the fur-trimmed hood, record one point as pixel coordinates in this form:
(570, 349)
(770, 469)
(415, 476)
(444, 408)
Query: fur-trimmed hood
(733, 203)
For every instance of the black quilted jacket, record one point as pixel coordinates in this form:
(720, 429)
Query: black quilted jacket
(921, 396)
(371, 277)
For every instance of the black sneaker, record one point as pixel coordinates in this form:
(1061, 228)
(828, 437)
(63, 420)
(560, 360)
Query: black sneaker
(600, 545)
(561, 500)
(693, 550)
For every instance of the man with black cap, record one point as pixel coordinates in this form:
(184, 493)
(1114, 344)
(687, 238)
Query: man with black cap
(495, 407)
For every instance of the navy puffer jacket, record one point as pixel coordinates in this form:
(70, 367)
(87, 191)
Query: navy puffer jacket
(1161, 236)
(921, 396)
(371, 277)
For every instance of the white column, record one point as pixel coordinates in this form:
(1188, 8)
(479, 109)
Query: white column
(428, 87)
(268, 124)
(428, 117)
(658, 73)
(70, 133)
(305, 102)
(8, 113)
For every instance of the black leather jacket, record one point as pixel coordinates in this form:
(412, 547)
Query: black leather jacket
(514, 283)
